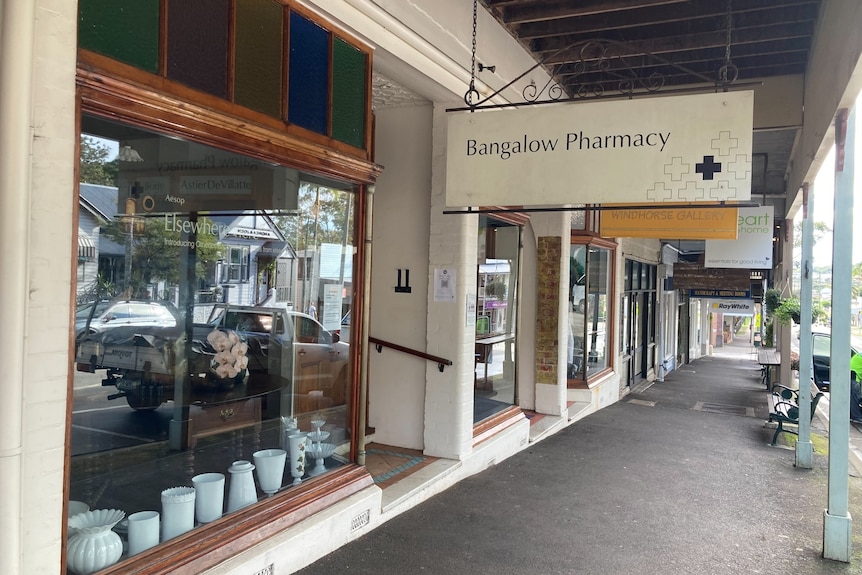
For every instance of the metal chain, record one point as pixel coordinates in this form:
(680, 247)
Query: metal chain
(729, 25)
(471, 98)
(728, 73)
(473, 57)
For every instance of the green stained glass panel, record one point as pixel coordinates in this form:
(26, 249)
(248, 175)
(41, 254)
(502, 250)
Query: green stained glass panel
(348, 93)
(125, 30)
(257, 77)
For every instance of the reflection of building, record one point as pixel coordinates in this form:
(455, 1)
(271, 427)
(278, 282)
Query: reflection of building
(255, 255)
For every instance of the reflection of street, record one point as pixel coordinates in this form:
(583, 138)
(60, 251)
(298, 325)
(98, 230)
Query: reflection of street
(100, 424)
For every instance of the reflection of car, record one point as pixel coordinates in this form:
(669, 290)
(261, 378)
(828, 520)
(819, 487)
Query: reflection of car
(286, 349)
(821, 352)
(127, 313)
(344, 332)
(265, 329)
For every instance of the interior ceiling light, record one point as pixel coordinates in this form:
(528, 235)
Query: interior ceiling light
(129, 154)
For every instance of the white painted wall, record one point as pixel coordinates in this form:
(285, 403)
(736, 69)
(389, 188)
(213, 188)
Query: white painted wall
(400, 241)
(39, 197)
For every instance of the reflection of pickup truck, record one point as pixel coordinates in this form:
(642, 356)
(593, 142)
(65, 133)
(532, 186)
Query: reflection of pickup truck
(285, 349)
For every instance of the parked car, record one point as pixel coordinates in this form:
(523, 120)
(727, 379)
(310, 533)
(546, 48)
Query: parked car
(127, 313)
(344, 332)
(285, 349)
(821, 351)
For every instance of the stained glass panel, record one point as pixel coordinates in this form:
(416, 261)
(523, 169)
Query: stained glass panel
(348, 93)
(257, 74)
(198, 44)
(308, 88)
(125, 30)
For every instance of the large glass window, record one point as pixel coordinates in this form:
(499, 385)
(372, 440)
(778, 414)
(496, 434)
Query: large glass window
(496, 317)
(203, 345)
(638, 335)
(589, 310)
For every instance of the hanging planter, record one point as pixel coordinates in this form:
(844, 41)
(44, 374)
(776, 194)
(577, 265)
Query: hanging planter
(789, 310)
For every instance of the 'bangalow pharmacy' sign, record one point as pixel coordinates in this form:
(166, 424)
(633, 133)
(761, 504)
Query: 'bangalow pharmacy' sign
(659, 149)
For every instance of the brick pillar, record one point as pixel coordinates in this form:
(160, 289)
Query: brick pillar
(548, 316)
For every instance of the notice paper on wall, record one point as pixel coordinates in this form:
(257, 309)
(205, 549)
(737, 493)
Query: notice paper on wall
(444, 284)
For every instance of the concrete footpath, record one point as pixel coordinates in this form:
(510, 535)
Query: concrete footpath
(677, 479)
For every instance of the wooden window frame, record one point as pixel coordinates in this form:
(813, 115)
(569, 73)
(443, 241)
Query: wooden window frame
(122, 93)
(587, 239)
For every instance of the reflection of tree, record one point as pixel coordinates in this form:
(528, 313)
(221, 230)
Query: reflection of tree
(320, 219)
(155, 251)
(94, 165)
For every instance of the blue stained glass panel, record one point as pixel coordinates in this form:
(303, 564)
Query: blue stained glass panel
(308, 91)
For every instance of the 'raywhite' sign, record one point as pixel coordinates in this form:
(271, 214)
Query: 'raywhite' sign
(658, 149)
(732, 306)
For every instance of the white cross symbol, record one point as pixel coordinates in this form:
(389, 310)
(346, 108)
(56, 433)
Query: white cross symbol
(659, 193)
(677, 168)
(724, 143)
(692, 192)
(739, 166)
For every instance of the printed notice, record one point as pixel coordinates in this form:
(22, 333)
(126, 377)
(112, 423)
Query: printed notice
(444, 285)
(471, 310)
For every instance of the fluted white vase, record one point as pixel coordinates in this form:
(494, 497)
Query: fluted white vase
(178, 511)
(93, 545)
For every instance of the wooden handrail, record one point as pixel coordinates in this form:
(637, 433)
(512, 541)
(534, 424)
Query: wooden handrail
(380, 344)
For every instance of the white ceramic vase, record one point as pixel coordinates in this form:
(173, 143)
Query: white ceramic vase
(319, 451)
(93, 545)
(242, 491)
(288, 428)
(269, 464)
(209, 496)
(143, 531)
(178, 511)
(76, 507)
(297, 455)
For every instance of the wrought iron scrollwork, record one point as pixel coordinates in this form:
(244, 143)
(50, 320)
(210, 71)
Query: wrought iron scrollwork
(602, 68)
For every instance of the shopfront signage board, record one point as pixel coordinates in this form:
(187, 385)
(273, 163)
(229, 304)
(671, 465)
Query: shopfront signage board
(658, 149)
(752, 248)
(697, 222)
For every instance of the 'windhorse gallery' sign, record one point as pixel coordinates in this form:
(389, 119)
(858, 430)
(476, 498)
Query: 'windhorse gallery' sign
(693, 148)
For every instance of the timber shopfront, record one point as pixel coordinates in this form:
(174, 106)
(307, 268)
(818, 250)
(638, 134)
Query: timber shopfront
(224, 159)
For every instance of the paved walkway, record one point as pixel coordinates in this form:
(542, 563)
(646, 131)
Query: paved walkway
(677, 479)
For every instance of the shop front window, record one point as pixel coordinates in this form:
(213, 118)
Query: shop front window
(589, 310)
(204, 345)
(496, 317)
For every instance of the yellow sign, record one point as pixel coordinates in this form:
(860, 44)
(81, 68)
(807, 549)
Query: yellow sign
(697, 222)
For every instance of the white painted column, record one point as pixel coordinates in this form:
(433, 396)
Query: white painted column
(17, 23)
(804, 447)
(453, 246)
(837, 523)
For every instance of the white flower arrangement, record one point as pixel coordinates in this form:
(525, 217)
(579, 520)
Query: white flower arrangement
(230, 358)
